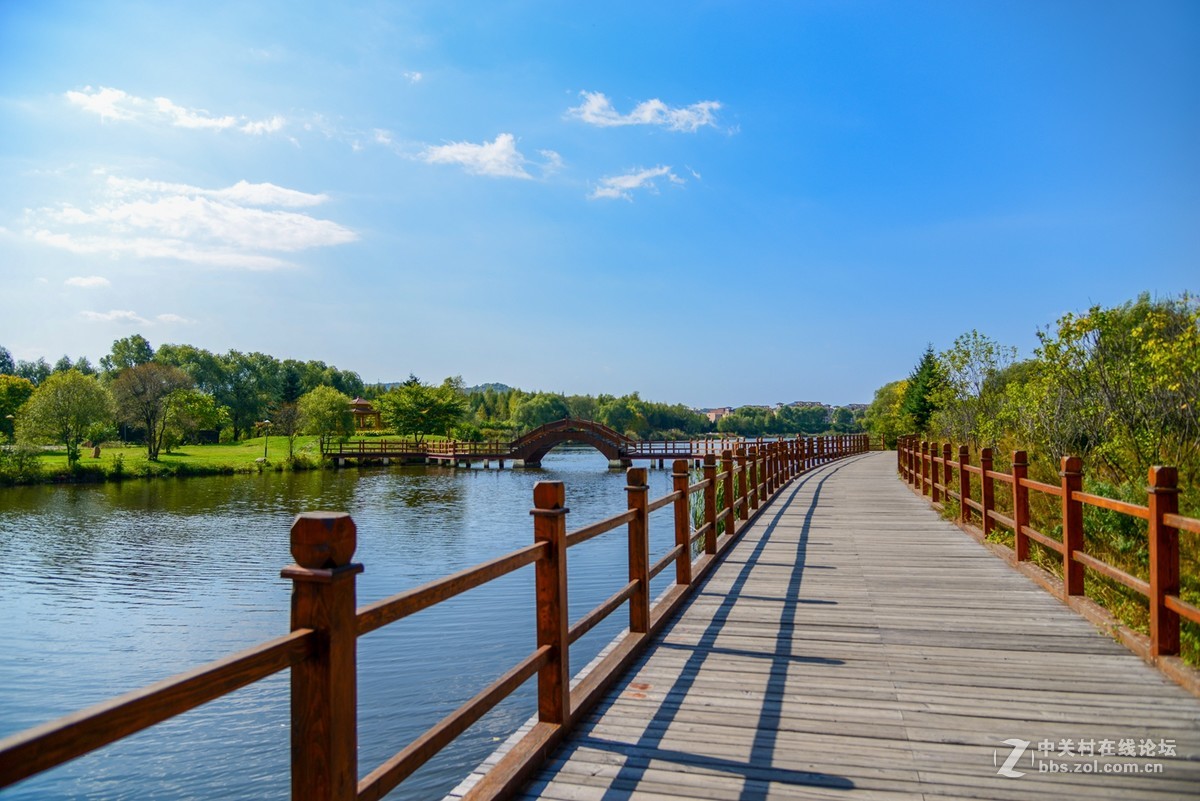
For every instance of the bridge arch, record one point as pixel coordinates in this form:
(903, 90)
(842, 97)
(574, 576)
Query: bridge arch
(532, 447)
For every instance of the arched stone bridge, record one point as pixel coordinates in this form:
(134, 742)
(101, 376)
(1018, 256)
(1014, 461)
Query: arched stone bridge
(529, 449)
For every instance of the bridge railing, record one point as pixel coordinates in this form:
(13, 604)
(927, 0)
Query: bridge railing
(321, 648)
(941, 473)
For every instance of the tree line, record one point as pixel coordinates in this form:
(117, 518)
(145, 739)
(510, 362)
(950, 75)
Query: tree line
(181, 393)
(1119, 386)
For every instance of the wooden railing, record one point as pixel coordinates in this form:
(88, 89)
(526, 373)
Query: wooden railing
(940, 472)
(322, 646)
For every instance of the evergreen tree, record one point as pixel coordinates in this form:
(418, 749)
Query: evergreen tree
(923, 383)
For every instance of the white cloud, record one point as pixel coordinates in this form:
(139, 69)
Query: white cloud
(172, 318)
(115, 104)
(87, 281)
(597, 109)
(241, 226)
(554, 162)
(621, 187)
(499, 158)
(121, 315)
(413, 77)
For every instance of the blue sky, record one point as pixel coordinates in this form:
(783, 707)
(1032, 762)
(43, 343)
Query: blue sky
(711, 203)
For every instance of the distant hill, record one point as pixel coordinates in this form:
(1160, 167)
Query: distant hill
(486, 387)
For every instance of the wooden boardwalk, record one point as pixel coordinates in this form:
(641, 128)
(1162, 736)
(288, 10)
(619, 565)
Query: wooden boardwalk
(854, 645)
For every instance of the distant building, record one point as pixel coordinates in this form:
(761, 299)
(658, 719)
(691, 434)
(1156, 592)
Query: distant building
(366, 417)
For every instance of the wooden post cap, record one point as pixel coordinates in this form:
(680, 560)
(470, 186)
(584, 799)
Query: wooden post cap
(548, 495)
(1164, 479)
(1071, 465)
(679, 467)
(635, 477)
(323, 539)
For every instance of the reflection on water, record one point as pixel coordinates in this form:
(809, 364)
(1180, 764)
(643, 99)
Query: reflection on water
(107, 588)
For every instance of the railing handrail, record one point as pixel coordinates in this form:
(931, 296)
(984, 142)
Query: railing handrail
(326, 623)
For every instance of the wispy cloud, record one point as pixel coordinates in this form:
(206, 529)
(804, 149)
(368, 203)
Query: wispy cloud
(622, 187)
(413, 77)
(127, 316)
(118, 105)
(240, 226)
(597, 109)
(87, 281)
(498, 158)
(115, 315)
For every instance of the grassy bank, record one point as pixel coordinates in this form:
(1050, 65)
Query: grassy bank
(117, 463)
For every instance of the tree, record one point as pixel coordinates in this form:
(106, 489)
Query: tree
(143, 395)
(190, 411)
(14, 391)
(287, 420)
(920, 395)
(417, 409)
(7, 365)
(539, 409)
(128, 352)
(1130, 377)
(63, 408)
(970, 394)
(326, 413)
(884, 418)
(35, 372)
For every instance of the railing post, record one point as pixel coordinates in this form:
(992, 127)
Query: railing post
(925, 465)
(324, 686)
(1020, 495)
(683, 521)
(947, 465)
(742, 501)
(935, 467)
(755, 474)
(987, 497)
(639, 551)
(550, 579)
(964, 483)
(1164, 560)
(1072, 521)
(730, 493)
(710, 503)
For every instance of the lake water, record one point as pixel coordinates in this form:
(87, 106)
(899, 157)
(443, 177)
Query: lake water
(107, 588)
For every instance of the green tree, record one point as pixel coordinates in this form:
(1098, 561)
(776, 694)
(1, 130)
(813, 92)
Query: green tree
(539, 409)
(128, 352)
(920, 394)
(190, 411)
(286, 420)
(34, 372)
(326, 412)
(1130, 377)
(969, 396)
(143, 394)
(62, 409)
(417, 409)
(884, 417)
(7, 365)
(14, 391)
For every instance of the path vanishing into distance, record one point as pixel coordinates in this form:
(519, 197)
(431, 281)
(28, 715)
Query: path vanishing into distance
(855, 645)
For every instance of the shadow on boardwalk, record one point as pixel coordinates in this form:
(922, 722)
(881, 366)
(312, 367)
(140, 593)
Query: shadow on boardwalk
(854, 645)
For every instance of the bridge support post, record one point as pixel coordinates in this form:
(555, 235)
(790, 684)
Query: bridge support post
(947, 464)
(324, 686)
(683, 522)
(1164, 560)
(1020, 495)
(553, 625)
(924, 467)
(1072, 521)
(710, 503)
(639, 551)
